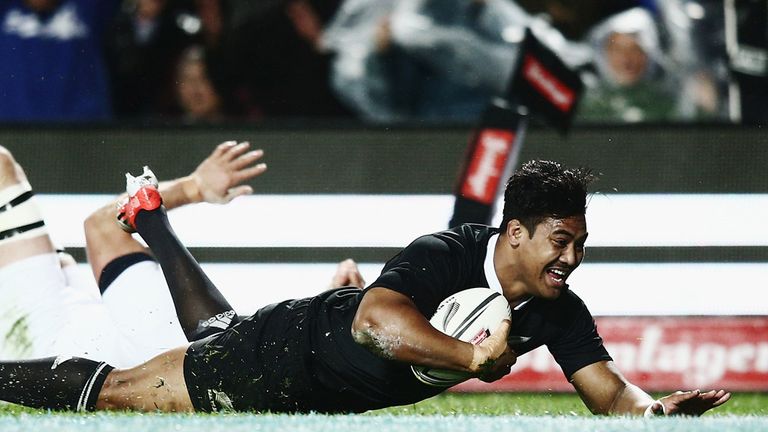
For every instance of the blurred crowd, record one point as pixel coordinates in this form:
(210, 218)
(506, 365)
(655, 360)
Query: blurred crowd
(208, 61)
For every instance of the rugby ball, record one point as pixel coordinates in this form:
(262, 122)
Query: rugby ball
(470, 316)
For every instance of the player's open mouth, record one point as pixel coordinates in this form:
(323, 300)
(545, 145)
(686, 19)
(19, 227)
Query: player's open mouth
(558, 276)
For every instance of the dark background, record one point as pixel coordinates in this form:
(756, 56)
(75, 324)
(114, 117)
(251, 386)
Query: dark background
(408, 160)
(341, 159)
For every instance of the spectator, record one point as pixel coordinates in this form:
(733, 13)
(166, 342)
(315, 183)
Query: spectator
(692, 33)
(633, 82)
(198, 99)
(358, 38)
(445, 59)
(431, 59)
(146, 37)
(52, 66)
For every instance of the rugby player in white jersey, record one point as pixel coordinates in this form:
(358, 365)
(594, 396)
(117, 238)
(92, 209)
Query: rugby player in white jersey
(49, 307)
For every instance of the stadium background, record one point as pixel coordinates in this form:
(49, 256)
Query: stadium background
(331, 186)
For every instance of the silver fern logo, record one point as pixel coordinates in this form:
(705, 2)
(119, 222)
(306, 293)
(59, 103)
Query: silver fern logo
(449, 314)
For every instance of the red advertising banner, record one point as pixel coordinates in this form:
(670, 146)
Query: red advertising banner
(488, 159)
(557, 93)
(544, 84)
(661, 354)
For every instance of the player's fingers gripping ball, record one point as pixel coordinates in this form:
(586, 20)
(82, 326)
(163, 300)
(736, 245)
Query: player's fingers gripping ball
(499, 367)
(479, 316)
(488, 351)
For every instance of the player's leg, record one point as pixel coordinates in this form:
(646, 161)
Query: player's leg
(22, 229)
(79, 384)
(32, 309)
(140, 304)
(88, 329)
(201, 308)
(30, 275)
(105, 242)
(157, 385)
(77, 278)
(40, 314)
(114, 254)
(125, 272)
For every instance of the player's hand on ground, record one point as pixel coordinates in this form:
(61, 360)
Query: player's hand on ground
(692, 403)
(220, 177)
(488, 358)
(347, 274)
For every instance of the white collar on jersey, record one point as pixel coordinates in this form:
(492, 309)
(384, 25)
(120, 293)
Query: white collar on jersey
(490, 270)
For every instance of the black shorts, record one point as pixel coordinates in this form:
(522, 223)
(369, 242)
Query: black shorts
(260, 364)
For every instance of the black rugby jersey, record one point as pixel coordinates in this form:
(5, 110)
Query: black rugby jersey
(350, 378)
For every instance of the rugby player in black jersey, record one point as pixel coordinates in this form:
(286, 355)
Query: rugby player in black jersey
(349, 350)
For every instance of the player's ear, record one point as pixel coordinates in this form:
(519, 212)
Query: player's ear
(515, 232)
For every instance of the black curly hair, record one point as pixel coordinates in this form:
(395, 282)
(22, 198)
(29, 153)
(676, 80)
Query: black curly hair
(542, 189)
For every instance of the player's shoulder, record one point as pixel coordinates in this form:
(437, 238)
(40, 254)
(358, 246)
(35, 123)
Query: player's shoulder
(567, 307)
(463, 241)
(466, 234)
(571, 298)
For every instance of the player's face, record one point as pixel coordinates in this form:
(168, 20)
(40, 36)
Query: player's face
(552, 254)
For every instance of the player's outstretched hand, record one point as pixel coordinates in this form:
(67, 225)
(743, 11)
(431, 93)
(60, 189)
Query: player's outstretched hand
(347, 274)
(220, 176)
(691, 403)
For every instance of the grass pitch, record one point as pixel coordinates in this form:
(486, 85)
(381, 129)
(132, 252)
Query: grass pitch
(451, 412)
(543, 404)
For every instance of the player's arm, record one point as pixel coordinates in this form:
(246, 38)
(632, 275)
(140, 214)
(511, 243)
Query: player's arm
(389, 324)
(218, 179)
(604, 390)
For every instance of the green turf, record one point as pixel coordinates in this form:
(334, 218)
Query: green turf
(451, 412)
(494, 404)
(528, 404)
(548, 404)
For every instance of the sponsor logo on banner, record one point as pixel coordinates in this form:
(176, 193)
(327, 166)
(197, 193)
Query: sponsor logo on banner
(547, 84)
(489, 157)
(661, 354)
(544, 84)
